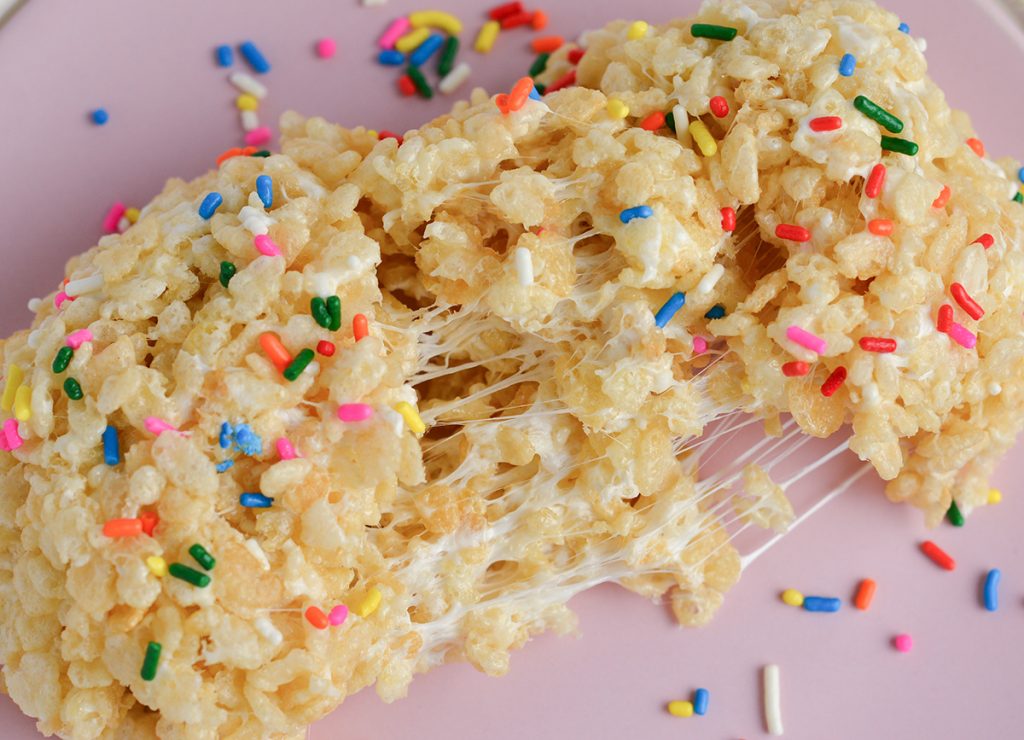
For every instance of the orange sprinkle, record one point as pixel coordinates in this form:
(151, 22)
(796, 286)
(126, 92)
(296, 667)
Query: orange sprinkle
(653, 122)
(540, 20)
(122, 528)
(360, 328)
(943, 198)
(276, 351)
(865, 593)
(149, 520)
(235, 152)
(520, 93)
(316, 617)
(880, 226)
(547, 44)
(977, 146)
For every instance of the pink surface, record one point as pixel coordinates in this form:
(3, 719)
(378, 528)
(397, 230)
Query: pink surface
(151, 65)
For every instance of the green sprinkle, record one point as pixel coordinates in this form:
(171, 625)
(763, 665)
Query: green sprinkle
(227, 271)
(321, 315)
(151, 661)
(334, 309)
(420, 82)
(541, 87)
(202, 557)
(447, 61)
(539, 65)
(901, 146)
(1019, 198)
(878, 114)
(670, 121)
(187, 574)
(294, 370)
(956, 518)
(261, 153)
(709, 31)
(63, 359)
(73, 389)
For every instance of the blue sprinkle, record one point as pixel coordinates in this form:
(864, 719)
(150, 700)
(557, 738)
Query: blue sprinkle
(904, 28)
(992, 589)
(847, 65)
(255, 501)
(99, 116)
(210, 204)
(821, 604)
(111, 447)
(265, 190)
(255, 57)
(534, 95)
(426, 50)
(700, 701)
(671, 307)
(225, 56)
(222, 466)
(391, 57)
(1020, 174)
(638, 212)
(225, 435)
(247, 441)
(715, 312)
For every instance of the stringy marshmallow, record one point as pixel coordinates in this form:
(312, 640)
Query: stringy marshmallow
(513, 309)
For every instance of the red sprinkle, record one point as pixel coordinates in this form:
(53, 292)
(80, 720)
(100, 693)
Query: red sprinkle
(575, 55)
(719, 106)
(945, 320)
(360, 327)
(826, 123)
(566, 80)
(943, 198)
(149, 521)
(547, 44)
(653, 122)
(880, 226)
(516, 19)
(937, 555)
(502, 11)
(985, 240)
(977, 146)
(316, 617)
(540, 20)
(728, 219)
(385, 134)
(875, 181)
(833, 382)
(792, 233)
(964, 300)
(406, 86)
(325, 348)
(877, 344)
(795, 369)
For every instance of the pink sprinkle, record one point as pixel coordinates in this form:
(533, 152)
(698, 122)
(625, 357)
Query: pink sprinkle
(805, 339)
(266, 246)
(3, 443)
(258, 136)
(285, 449)
(13, 439)
(398, 27)
(113, 216)
(962, 335)
(158, 426)
(700, 345)
(325, 48)
(350, 412)
(903, 643)
(60, 298)
(338, 615)
(77, 338)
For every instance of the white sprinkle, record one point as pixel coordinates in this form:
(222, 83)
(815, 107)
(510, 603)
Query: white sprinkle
(33, 339)
(451, 81)
(994, 389)
(710, 280)
(524, 266)
(266, 628)
(772, 700)
(246, 83)
(257, 552)
(34, 304)
(123, 225)
(84, 285)
(255, 220)
(682, 122)
(250, 120)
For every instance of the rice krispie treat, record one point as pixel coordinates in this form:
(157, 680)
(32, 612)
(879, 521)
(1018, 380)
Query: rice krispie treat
(332, 417)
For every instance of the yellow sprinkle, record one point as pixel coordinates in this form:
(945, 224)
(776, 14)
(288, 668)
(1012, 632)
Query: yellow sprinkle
(436, 19)
(793, 597)
(487, 36)
(14, 376)
(680, 708)
(369, 603)
(412, 39)
(637, 30)
(411, 416)
(23, 403)
(157, 565)
(994, 496)
(617, 109)
(705, 141)
(132, 214)
(372, 132)
(245, 101)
